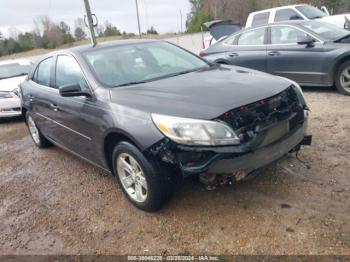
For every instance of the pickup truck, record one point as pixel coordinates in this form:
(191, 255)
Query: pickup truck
(297, 12)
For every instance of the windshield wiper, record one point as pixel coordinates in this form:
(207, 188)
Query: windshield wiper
(342, 38)
(316, 17)
(131, 83)
(159, 78)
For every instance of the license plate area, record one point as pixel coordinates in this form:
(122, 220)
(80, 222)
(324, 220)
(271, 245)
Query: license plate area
(275, 133)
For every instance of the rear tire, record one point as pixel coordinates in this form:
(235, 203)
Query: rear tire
(146, 181)
(38, 138)
(342, 80)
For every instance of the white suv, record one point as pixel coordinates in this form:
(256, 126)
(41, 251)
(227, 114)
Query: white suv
(296, 12)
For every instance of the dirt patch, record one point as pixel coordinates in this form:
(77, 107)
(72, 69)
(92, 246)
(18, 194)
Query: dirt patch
(53, 203)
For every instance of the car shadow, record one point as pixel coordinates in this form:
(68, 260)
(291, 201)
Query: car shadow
(319, 89)
(9, 120)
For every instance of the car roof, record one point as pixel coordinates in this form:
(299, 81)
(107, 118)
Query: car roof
(277, 8)
(85, 48)
(297, 23)
(287, 22)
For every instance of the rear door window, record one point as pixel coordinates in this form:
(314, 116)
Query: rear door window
(252, 37)
(261, 19)
(230, 40)
(286, 35)
(287, 14)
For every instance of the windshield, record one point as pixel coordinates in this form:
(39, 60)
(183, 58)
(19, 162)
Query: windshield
(325, 30)
(13, 70)
(139, 63)
(310, 12)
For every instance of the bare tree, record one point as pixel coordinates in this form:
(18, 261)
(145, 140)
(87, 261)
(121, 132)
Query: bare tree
(52, 34)
(13, 33)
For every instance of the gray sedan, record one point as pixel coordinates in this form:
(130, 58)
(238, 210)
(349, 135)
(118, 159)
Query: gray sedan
(152, 113)
(309, 52)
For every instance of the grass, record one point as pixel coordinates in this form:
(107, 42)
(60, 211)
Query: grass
(41, 51)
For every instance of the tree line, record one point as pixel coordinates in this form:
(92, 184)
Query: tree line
(48, 34)
(238, 10)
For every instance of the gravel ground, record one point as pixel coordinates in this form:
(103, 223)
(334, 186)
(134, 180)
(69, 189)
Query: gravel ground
(53, 203)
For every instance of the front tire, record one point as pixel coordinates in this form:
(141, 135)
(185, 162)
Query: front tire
(146, 182)
(343, 78)
(38, 138)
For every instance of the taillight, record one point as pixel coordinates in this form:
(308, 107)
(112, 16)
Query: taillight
(201, 54)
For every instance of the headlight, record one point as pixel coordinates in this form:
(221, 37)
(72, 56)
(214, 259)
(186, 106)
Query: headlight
(195, 132)
(5, 95)
(16, 92)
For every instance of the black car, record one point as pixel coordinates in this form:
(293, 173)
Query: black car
(147, 111)
(311, 53)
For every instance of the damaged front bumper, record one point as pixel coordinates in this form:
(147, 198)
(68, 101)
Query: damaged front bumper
(231, 159)
(262, 156)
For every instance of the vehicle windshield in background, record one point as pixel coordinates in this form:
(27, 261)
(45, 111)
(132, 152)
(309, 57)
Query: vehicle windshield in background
(327, 31)
(139, 63)
(13, 70)
(311, 12)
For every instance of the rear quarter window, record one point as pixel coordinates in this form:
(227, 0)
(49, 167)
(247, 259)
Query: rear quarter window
(43, 72)
(261, 19)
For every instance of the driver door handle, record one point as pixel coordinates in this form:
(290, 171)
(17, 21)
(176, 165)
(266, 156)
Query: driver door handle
(233, 55)
(274, 53)
(54, 107)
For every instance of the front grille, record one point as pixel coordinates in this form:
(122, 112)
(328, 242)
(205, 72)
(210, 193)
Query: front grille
(247, 121)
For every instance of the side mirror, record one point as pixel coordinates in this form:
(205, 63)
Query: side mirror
(72, 90)
(307, 40)
(295, 17)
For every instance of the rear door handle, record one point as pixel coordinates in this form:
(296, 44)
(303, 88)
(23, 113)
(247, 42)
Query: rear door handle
(274, 53)
(54, 107)
(233, 55)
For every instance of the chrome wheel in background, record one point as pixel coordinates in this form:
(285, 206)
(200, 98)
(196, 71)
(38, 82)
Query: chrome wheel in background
(345, 78)
(132, 177)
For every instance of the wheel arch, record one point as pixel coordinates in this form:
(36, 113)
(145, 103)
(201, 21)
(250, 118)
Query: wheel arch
(340, 61)
(113, 137)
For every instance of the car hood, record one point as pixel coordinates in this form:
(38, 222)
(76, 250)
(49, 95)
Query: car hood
(338, 20)
(9, 84)
(203, 94)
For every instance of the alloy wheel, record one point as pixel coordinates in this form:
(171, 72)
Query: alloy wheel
(345, 79)
(34, 132)
(132, 177)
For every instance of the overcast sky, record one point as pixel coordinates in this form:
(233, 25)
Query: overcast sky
(164, 15)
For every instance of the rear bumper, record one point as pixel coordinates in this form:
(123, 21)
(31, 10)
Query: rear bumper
(261, 157)
(10, 107)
